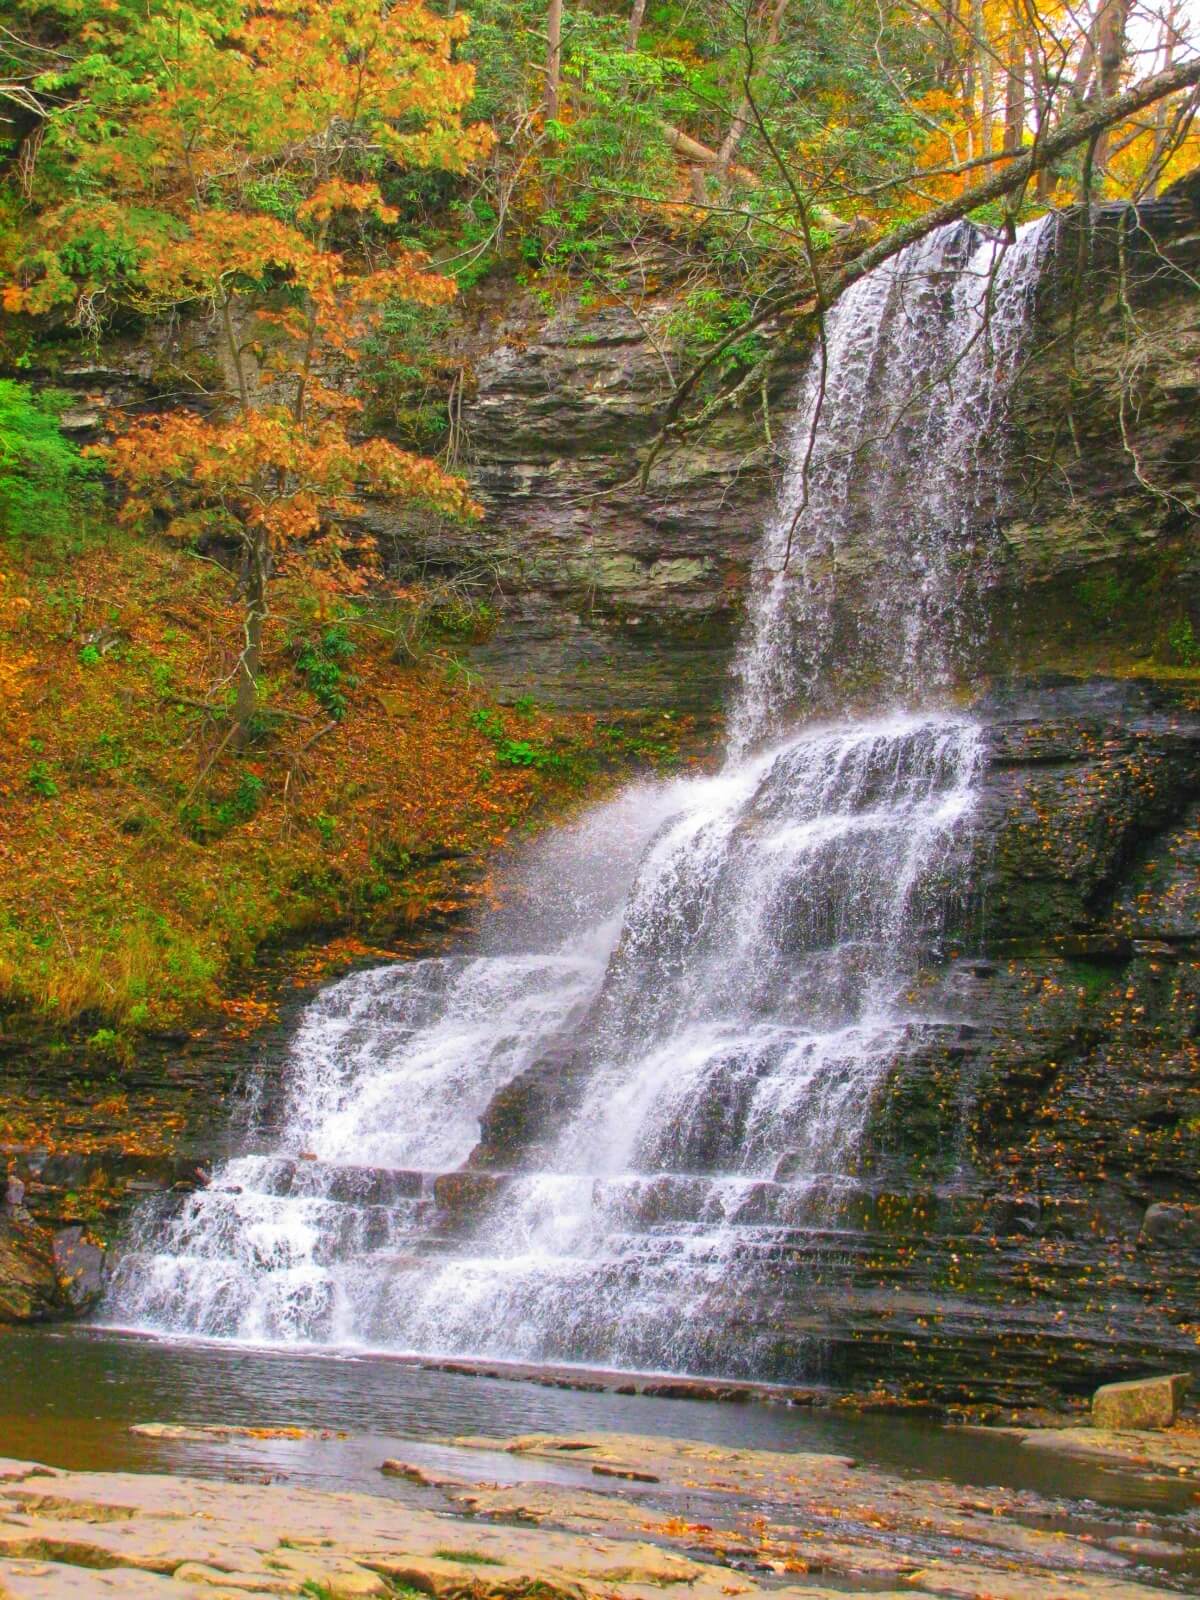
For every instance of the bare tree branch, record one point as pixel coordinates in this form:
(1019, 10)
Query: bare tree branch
(1083, 128)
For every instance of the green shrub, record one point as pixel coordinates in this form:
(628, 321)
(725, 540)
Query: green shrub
(521, 753)
(43, 477)
(205, 821)
(488, 724)
(39, 780)
(245, 801)
(321, 661)
(1183, 643)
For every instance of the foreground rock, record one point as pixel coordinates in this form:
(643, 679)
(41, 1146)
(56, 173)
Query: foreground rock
(1170, 1456)
(28, 1283)
(45, 1275)
(1142, 1403)
(624, 1516)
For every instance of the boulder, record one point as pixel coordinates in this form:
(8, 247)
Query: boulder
(1143, 1403)
(1177, 1225)
(28, 1289)
(79, 1268)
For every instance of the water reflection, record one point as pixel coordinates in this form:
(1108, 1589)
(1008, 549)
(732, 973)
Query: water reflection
(69, 1397)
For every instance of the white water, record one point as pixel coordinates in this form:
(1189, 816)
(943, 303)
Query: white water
(906, 458)
(710, 977)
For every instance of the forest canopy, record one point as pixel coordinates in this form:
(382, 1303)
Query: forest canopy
(246, 252)
(299, 175)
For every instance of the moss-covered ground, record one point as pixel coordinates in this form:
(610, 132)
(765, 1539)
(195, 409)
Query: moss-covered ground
(144, 862)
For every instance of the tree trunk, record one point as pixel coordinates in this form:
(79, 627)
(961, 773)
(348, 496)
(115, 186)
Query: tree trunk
(950, 75)
(553, 60)
(1014, 95)
(985, 74)
(741, 117)
(258, 557)
(636, 17)
(1169, 37)
(968, 91)
(1042, 108)
(1110, 60)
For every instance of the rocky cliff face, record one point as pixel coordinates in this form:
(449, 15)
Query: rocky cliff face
(1029, 1217)
(607, 596)
(610, 596)
(1097, 561)
(1025, 1222)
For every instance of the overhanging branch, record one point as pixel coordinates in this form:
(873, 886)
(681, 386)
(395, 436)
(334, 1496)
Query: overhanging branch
(1067, 136)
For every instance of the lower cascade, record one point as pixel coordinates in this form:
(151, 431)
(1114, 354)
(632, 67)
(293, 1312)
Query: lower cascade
(599, 1133)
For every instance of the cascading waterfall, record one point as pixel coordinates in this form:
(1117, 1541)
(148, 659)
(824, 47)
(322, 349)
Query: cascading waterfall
(700, 986)
(895, 456)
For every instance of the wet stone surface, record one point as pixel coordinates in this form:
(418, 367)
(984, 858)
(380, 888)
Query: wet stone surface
(593, 1515)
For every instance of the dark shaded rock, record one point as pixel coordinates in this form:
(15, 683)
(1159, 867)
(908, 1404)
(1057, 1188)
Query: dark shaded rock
(29, 1285)
(523, 1115)
(460, 1196)
(79, 1268)
(1172, 1225)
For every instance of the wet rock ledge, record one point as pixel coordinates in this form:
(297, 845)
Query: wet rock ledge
(1022, 1218)
(1026, 1224)
(583, 1517)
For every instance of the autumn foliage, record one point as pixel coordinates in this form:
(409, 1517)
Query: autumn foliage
(241, 182)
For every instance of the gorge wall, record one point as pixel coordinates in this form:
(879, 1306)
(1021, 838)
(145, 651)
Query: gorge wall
(1024, 1221)
(1027, 1222)
(613, 597)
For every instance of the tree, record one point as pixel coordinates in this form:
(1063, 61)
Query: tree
(554, 23)
(231, 160)
(1010, 178)
(637, 16)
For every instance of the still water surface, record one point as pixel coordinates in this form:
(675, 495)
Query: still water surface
(68, 1398)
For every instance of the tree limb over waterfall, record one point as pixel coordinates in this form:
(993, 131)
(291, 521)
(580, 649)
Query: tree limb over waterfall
(1086, 127)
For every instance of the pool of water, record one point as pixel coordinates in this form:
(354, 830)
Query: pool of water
(68, 1398)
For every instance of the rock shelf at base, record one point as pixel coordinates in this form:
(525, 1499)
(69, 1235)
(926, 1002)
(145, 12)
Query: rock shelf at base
(714, 1522)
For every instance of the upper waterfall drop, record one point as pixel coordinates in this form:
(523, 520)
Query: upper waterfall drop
(895, 450)
(659, 1062)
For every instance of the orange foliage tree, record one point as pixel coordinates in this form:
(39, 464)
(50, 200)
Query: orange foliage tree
(240, 172)
(1012, 71)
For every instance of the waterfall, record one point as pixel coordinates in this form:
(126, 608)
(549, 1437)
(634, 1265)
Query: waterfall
(895, 457)
(672, 1038)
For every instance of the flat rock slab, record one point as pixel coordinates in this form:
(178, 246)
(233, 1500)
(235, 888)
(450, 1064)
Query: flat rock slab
(760, 1524)
(1171, 1453)
(218, 1431)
